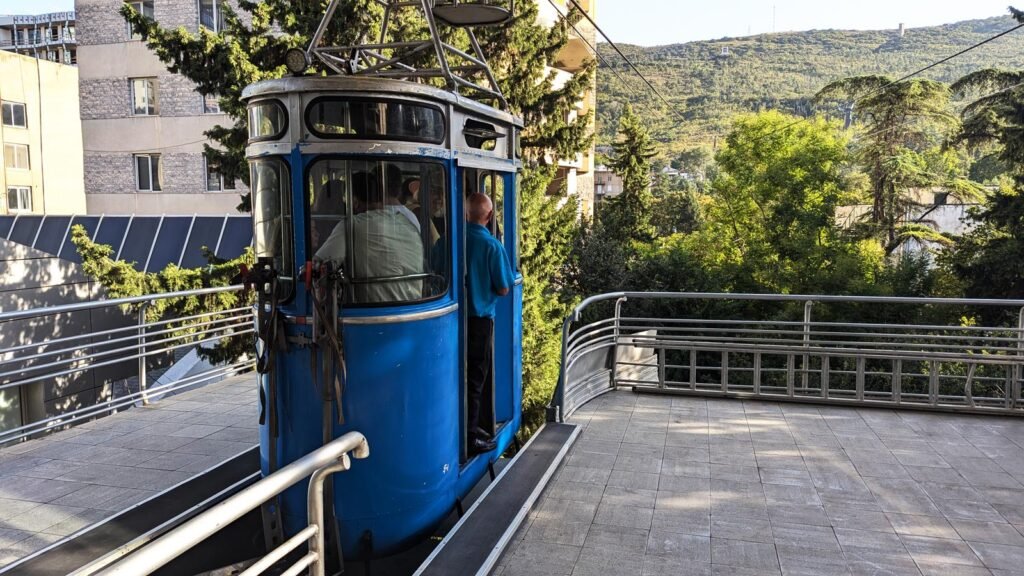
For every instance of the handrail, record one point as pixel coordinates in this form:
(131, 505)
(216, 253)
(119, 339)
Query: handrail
(318, 464)
(586, 303)
(819, 354)
(43, 356)
(94, 304)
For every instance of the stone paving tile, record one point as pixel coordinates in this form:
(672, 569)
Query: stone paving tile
(757, 488)
(940, 550)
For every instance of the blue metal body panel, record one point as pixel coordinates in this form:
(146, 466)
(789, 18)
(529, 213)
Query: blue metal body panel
(405, 392)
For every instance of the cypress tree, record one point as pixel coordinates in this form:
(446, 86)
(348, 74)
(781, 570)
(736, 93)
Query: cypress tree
(627, 217)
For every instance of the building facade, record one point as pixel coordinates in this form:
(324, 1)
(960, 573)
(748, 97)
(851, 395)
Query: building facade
(143, 126)
(40, 137)
(575, 175)
(45, 36)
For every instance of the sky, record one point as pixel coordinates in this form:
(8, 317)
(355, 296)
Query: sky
(654, 22)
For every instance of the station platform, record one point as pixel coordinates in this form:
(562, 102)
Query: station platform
(659, 485)
(65, 482)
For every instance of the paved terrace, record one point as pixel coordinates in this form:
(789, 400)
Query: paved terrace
(57, 485)
(686, 486)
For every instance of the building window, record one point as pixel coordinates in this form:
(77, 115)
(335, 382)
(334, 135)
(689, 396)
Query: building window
(211, 15)
(16, 156)
(211, 104)
(19, 199)
(146, 9)
(144, 97)
(147, 172)
(215, 181)
(14, 115)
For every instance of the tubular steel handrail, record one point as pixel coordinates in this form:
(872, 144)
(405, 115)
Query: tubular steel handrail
(840, 360)
(318, 466)
(121, 351)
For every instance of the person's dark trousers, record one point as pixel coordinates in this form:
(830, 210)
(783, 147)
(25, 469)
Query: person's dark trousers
(480, 349)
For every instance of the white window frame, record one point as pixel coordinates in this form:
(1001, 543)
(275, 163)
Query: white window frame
(140, 7)
(211, 102)
(155, 177)
(152, 107)
(223, 184)
(218, 16)
(22, 194)
(11, 155)
(24, 114)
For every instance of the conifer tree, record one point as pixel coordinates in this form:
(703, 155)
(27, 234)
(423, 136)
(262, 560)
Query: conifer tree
(628, 216)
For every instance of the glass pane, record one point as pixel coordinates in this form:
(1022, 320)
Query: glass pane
(498, 197)
(206, 13)
(12, 198)
(19, 115)
(153, 106)
(335, 118)
(22, 157)
(157, 174)
(385, 223)
(271, 195)
(267, 120)
(212, 179)
(142, 172)
(8, 114)
(139, 102)
(26, 196)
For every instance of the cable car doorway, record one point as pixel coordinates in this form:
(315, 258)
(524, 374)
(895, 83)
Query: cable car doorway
(496, 401)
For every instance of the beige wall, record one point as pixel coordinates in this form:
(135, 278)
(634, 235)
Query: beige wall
(54, 133)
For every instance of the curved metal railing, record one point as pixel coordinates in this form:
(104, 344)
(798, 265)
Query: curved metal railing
(42, 363)
(318, 466)
(793, 353)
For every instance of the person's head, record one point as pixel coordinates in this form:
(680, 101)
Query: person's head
(365, 192)
(410, 191)
(390, 175)
(479, 209)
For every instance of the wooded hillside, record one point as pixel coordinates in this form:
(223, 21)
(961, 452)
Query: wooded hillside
(780, 71)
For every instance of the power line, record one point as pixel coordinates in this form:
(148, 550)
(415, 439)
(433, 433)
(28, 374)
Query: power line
(633, 89)
(627, 60)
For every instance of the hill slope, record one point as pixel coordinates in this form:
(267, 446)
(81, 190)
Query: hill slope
(782, 71)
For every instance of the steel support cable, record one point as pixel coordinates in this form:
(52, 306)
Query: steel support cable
(627, 60)
(593, 49)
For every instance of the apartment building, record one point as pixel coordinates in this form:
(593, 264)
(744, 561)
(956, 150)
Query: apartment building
(44, 36)
(40, 137)
(575, 175)
(143, 126)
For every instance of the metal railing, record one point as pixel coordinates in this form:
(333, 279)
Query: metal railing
(923, 353)
(318, 466)
(91, 361)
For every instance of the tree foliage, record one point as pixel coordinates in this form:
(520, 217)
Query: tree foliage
(628, 216)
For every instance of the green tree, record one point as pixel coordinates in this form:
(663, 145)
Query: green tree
(904, 125)
(989, 259)
(628, 216)
(522, 55)
(770, 219)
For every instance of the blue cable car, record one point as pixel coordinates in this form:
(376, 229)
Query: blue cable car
(365, 326)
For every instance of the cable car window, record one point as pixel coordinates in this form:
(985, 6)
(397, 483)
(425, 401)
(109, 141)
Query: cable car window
(267, 121)
(385, 223)
(491, 184)
(272, 219)
(376, 119)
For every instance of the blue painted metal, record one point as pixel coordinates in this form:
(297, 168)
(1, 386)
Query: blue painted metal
(404, 391)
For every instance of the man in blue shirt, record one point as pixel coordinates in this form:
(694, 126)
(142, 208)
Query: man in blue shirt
(488, 277)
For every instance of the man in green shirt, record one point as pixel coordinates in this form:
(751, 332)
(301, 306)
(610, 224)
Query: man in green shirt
(386, 245)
